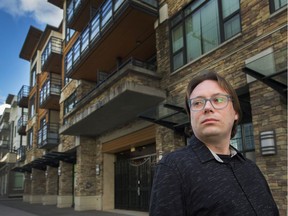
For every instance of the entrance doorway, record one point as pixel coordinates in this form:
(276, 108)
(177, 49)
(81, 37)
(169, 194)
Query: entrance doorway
(133, 179)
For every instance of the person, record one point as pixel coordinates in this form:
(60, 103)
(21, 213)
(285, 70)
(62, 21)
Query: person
(208, 176)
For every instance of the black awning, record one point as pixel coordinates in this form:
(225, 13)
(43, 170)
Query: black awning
(68, 157)
(168, 115)
(270, 68)
(25, 168)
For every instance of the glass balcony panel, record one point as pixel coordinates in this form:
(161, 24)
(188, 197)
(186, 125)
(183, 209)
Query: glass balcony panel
(106, 13)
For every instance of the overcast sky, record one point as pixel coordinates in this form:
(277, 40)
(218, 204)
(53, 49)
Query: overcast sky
(16, 17)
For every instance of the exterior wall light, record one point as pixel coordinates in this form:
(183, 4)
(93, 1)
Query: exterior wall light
(97, 169)
(46, 173)
(59, 171)
(31, 176)
(268, 143)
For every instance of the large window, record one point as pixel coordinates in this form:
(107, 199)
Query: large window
(277, 4)
(202, 26)
(33, 76)
(30, 138)
(31, 107)
(244, 140)
(69, 103)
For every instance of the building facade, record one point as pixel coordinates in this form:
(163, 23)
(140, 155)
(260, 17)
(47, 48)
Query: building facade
(11, 183)
(122, 68)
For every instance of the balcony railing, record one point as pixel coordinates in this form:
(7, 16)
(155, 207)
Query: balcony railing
(21, 124)
(51, 56)
(95, 28)
(22, 97)
(21, 153)
(4, 144)
(110, 76)
(48, 136)
(50, 93)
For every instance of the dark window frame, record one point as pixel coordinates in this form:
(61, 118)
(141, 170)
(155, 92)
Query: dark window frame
(180, 18)
(273, 9)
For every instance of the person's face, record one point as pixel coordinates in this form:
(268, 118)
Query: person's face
(211, 122)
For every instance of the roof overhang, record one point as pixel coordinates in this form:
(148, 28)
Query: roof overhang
(30, 44)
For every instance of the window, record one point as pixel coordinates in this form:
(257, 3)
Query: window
(31, 107)
(69, 34)
(33, 76)
(69, 103)
(202, 26)
(244, 140)
(30, 138)
(277, 4)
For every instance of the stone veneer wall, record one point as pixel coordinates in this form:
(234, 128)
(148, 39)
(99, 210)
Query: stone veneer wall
(260, 31)
(270, 114)
(37, 186)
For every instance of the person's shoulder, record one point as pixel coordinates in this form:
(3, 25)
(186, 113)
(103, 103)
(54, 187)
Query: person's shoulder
(181, 154)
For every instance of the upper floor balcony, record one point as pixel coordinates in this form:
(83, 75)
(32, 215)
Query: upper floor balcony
(48, 136)
(23, 96)
(21, 153)
(118, 30)
(4, 144)
(4, 128)
(51, 57)
(117, 100)
(21, 124)
(50, 92)
(78, 13)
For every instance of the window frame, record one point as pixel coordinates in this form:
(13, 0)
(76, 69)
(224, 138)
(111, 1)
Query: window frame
(272, 6)
(179, 19)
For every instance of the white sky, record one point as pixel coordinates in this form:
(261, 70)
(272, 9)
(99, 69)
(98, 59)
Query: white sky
(39, 10)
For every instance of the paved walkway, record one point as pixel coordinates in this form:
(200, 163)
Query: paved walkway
(16, 207)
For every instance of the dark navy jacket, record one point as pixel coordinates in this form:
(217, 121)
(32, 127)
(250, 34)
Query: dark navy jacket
(191, 182)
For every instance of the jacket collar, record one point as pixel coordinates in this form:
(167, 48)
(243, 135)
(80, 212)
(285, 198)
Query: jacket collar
(205, 154)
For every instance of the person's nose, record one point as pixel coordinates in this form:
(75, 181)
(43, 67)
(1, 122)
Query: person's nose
(208, 106)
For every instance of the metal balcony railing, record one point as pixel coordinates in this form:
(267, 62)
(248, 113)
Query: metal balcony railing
(95, 27)
(54, 46)
(21, 124)
(48, 135)
(22, 97)
(131, 61)
(51, 87)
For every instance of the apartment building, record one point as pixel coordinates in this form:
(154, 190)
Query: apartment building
(124, 66)
(11, 183)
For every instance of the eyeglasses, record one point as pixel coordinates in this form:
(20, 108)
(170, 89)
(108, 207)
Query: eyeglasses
(218, 102)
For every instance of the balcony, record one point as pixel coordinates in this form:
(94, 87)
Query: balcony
(4, 129)
(115, 101)
(21, 124)
(48, 136)
(79, 12)
(50, 93)
(4, 144)
(21, 153)
(52, 56)
(119, 29)
(23, 96)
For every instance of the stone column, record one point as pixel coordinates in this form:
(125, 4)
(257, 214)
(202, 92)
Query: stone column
(27, 187)
(65, 194)
(85, 188)
(50, 197)
(167, 141)
(38, 183)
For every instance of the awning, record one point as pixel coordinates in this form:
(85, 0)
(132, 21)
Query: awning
(168, 115)
(50, 159)
(270, 67)
(68, 157)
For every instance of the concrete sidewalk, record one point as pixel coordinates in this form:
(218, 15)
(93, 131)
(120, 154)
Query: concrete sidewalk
(16, 207)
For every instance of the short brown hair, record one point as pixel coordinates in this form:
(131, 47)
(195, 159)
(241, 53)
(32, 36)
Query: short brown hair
(212, 75)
